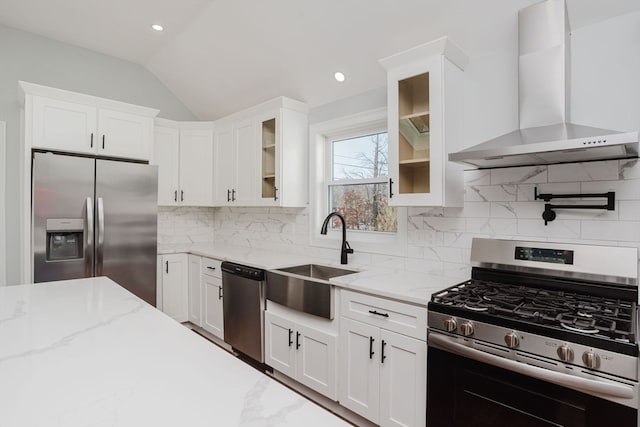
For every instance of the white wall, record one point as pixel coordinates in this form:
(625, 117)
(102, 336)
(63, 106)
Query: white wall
(3, 240)
(36, 59)
(498, 203)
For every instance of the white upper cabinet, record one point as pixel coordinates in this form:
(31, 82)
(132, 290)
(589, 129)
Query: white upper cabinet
(260, 156)
(425, 123)
(183, 152)
(124, 134)
(71, 122)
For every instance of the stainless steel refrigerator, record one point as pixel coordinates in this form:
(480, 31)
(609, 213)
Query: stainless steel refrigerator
(95, 217)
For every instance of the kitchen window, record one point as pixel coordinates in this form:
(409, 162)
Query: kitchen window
(358, 182)
(350, 165)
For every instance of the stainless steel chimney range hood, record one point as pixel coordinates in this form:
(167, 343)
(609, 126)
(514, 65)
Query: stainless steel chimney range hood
(546, 136)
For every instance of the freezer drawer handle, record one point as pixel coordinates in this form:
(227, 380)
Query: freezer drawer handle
(371, 352)
(377, 313)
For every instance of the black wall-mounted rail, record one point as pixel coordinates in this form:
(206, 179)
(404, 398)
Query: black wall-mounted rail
(549, 215)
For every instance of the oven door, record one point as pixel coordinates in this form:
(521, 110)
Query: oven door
(465, 392)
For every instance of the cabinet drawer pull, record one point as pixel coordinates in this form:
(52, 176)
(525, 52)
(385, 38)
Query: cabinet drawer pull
(290, 337)
(233, 195)
(228, 195)
(275, 193)
(103, 142)
(219, 292)
(166, 263)
(297, 340)
(182, 195)
(371, 352)
(377, 313)
(390, 188)
(382, 356)
(210, 268)
(175, 196)
(91, 139)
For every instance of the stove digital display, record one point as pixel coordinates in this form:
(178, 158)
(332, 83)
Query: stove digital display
(554, 256)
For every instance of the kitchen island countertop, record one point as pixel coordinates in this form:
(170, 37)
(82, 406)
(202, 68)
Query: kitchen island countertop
(87, 352)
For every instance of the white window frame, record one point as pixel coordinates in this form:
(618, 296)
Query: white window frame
(321, 136)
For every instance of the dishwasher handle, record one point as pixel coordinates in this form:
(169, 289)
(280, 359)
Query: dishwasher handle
(243, 271)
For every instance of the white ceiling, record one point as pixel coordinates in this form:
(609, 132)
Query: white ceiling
(219, 56)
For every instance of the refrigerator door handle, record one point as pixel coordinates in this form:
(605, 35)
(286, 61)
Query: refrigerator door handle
(88, 249)
(100, 243)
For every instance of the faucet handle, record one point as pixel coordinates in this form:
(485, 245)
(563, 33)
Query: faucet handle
(347, 248)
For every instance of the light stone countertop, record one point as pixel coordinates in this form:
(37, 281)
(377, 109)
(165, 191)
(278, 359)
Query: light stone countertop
(401, 285)
(89, 353)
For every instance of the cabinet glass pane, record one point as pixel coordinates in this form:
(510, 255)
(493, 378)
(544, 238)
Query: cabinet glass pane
(269, 158)
(413, 135)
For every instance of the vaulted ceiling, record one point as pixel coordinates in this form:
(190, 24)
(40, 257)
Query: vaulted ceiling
(219, 56)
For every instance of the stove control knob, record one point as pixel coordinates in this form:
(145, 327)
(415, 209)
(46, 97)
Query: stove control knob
(450, 324)
(467, 329)
(591, 359)
(512, 340)
(565, 353)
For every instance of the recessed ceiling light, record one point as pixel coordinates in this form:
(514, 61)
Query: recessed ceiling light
(157, 27)
(339, 76)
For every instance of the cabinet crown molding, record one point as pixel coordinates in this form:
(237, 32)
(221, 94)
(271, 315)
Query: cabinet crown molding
(26, 88)
(442, 46)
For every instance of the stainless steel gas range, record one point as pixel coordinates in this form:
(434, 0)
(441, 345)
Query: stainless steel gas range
(542, 334)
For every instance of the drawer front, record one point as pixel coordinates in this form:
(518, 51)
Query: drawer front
(211, 267)
(391, 315)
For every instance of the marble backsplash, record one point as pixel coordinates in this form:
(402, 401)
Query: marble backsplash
(499, 203)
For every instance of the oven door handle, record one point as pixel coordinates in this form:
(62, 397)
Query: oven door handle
(566, 380)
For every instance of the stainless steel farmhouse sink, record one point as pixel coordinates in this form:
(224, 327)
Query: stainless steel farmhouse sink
(304, 288)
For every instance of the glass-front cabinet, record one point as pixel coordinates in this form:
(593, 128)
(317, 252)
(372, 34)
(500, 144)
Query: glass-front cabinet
(425, 111)
(269, 188)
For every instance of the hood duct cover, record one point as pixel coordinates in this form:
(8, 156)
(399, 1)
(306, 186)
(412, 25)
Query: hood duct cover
(545, 135)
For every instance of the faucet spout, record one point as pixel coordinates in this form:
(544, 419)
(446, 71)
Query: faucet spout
(345, 248)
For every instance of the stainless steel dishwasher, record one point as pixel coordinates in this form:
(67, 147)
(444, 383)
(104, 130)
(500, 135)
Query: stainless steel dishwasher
(243, 290)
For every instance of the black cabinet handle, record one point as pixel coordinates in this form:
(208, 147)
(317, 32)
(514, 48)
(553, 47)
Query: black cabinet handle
(228, 195)
(290, 337)
(275, 193)
(91, 139)
(219, 292)
(166, 263)
(377, 313)
(210, 268)
(390, 188)
(297, 340)
(233, 195)
(182, 195)
(103, 142)
(382, 356)
(371, 352)
(175, 196)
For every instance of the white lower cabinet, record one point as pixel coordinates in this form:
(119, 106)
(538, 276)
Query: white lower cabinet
(195, 290)
(212, 316)
(304, 353)
(175, 286)
(383, 374)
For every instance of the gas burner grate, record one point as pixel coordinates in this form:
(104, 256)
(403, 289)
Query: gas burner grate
(581, 313)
